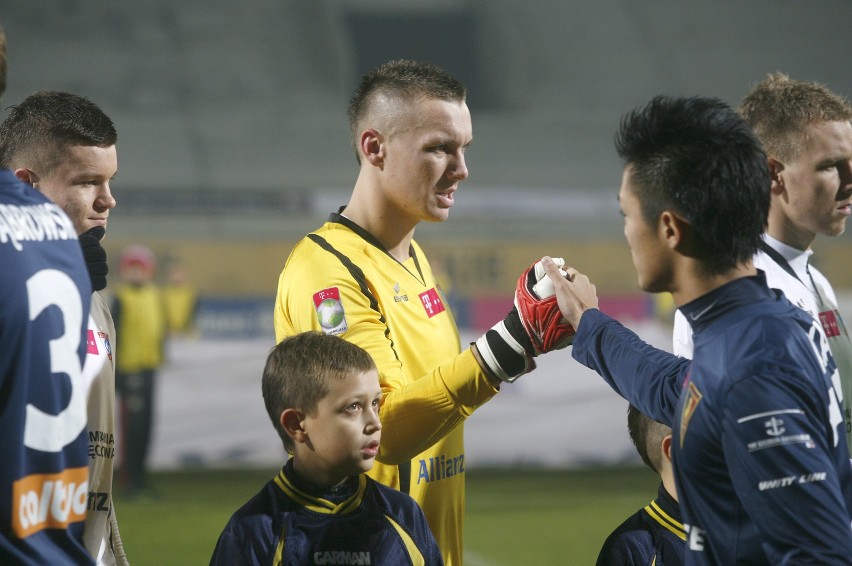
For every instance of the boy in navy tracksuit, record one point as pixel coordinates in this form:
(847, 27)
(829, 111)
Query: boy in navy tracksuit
(322, 394)
(654, 534)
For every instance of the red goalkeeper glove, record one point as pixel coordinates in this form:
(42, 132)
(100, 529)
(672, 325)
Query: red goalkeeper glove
(539, 311)
(533, 327)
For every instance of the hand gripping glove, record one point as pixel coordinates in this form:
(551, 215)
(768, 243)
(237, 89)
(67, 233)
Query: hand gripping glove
(95, 256)
(506, 349)
(539, 311)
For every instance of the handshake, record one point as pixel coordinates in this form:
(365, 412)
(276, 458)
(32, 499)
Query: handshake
(533, 327)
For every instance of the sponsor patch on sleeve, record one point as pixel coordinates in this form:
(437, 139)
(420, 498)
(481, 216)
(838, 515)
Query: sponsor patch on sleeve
(91, 343)
(829, 323)
(771, 429)
(330, 314)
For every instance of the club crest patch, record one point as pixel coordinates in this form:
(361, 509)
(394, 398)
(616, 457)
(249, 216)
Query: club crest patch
(330, 314)
(693, 397)
(105, 340)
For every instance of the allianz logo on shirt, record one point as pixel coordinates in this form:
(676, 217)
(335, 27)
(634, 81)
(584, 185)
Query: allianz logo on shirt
(440, 468)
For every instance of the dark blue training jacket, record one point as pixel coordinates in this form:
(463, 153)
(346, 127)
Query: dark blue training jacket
(761, 463)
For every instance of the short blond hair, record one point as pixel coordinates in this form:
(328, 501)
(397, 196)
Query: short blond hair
(779, 110)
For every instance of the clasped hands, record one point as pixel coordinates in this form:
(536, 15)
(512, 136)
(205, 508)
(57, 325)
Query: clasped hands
(549, 301)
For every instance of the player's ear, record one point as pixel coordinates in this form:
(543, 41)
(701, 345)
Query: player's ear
(666, 445)
(26, 175)
(775, 169)
(673, 229)
(291, 421)
(372, 147)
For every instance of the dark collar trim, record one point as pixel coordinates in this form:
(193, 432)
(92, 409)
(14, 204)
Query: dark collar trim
(777, 258)
(338, 218)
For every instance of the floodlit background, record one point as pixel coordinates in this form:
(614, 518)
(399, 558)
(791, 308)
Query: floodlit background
(233, 143)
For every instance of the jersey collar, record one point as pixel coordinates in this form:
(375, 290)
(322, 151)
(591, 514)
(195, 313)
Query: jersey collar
(331, 501)
(338, 218)
(722, 300)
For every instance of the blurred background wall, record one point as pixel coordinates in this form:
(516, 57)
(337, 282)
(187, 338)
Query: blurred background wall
(232, 115)
(233, 139)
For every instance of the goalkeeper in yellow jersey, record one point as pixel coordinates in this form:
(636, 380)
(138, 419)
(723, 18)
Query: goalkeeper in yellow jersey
(363, 277)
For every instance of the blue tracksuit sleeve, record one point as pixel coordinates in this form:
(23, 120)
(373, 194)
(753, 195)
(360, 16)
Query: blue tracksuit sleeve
(779, 454)
(647, 377)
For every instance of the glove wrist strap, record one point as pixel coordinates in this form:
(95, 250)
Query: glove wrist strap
(505, 358)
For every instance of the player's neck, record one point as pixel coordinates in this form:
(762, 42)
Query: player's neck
(315, 475)
(695, 282)
(394, 233)
(787, 233)
(669, 483)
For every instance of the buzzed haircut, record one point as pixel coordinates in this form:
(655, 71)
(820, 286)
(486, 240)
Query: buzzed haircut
(403, 80)
(779, 109)
(39, 130)
(301, 369)
(698, 158)
(647, 436)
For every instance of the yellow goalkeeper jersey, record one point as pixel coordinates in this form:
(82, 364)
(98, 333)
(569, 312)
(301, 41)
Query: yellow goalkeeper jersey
(341, 280)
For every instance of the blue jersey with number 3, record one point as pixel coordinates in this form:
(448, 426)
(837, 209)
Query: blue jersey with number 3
(44, 309)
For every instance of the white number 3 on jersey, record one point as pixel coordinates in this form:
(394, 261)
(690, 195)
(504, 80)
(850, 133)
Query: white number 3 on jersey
(43, 431)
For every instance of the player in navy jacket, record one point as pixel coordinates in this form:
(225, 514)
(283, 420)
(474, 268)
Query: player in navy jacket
(322, 394)
(760, 457)
(44, 309)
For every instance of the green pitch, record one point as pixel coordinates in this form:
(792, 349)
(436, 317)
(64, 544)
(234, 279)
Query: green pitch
(513, 517)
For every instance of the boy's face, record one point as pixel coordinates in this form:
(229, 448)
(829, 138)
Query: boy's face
(343, 433)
